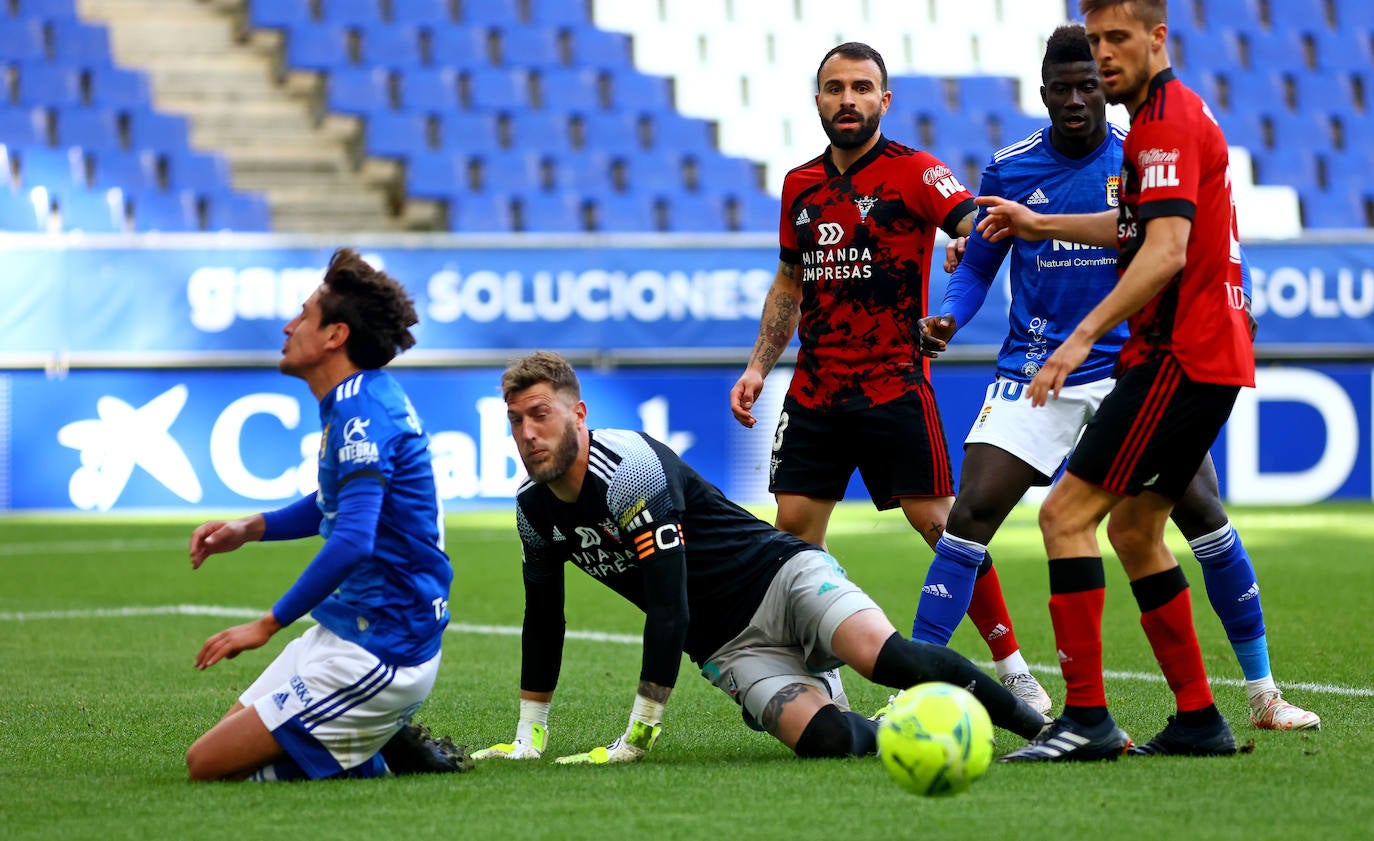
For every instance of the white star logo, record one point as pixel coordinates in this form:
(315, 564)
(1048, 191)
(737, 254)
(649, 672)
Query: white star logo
(123, 438)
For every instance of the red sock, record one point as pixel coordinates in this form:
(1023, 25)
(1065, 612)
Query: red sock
(988, 610)
(1170, 630)
(1077, 619)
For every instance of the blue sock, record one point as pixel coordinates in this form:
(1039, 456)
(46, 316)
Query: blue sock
(374, 767)
(948, 589)
(1233, 591)
(284, 770)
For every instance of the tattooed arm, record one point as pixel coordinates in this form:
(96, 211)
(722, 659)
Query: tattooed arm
(777, 325)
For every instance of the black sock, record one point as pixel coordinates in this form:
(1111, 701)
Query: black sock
(1086, 716)
(1205, 717)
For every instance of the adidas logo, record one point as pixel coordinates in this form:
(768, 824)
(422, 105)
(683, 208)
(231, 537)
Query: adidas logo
(280, 699)
(1038, 197)
(1252, 593)
(1063, 658)
(937, 590)
(1000, 631)
(558, 535)
(804, 218)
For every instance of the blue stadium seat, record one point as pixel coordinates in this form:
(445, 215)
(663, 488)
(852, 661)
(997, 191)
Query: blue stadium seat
(426, 12)
(435, 175)
(317, 46)
(134, 171)
(589, 46)
(1209, 85)
(757, 211)
(394, 46)
(1276, 50)
(93, 211)
(1289, 15)
(1305, 128)
(21, 39)
(1342, 206)
(959, 129)
(1230, 13)
(1345, 49)
(116, 87)
(1218, 50)
(431, 90)
(985, 94)
(554, 213)
(80, 43)
(459, 47)
(496, 88)
(396, 134)
(279, 14)
(57, 169)
(351, 12)
(20, 126)
(610, 131)
(477, 131)
(633, 90)
(92, 128)
(540, 130)
(1244, 128)
(492, 12)
(569, 89)
(726, 175)
(150, 129)
(480, 213)
(534, 47)
(173, 211)
(1008, 128)
(558, 12)
(509, 171)
(1354, 15)
(651, 172)
(46, 9)
(1261, 91)
(624, 212)
(1294, 166)
(237, 212)
(203, 172)
(587, 171)
(1331, 92)
(359, 90)
(696, 213)
(671, 130)
(44, 84)
(18, 213)
(918, 93)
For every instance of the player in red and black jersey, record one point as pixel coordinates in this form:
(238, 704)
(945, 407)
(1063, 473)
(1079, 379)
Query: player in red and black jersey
(1188, 355)
(856, 233)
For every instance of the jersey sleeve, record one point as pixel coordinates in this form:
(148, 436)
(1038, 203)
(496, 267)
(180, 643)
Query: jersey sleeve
(789, 251)
(968, 286)
(541, 637)
(1168, 159)
(349, 543)
(937, 194)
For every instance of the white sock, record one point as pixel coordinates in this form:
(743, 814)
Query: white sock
(1256, 688)
(1012, 664)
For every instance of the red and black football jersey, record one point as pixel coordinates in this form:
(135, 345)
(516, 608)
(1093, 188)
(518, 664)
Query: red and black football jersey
(863, 240)
(1175, 163)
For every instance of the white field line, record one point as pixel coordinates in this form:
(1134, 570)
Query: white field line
(591, 636)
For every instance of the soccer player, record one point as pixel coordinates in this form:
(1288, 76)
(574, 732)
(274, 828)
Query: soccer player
(762, 612)
(1188, 355)
(338, 700)
(1073, 166)
(856, 231)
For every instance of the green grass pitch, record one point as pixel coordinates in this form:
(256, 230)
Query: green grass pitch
(99, 700)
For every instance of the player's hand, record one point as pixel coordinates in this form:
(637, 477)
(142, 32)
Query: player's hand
(219, 536)
(1250, 316)
(630, 747)
(933, 334)
(229, 643)
(531, 748)
(743, 397)
(954, 253)
(1006, 218)
(1052, 375)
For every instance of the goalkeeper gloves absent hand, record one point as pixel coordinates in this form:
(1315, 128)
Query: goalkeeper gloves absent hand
(640, 735)
(531, 735)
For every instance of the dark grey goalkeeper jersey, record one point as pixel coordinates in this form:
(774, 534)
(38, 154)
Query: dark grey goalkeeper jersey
(651, 528)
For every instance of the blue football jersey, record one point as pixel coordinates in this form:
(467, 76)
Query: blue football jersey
(395, 604)
(1053, 284)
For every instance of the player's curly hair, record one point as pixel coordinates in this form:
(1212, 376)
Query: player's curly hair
(1066, 45)
(858, 51)
(542, 366)
(373, 304)
(1149, 12)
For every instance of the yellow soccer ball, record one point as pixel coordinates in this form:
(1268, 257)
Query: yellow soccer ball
(936, 739)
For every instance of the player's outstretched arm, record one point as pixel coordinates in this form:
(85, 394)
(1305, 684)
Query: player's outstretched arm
(531, 731)
(777, 325)
(219, 536)
(646, 722)
(1006, 218)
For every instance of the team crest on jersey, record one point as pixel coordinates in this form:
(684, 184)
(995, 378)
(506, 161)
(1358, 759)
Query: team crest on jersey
(1030, 369)
(324, 440)
(1113, 190)
(864, 204)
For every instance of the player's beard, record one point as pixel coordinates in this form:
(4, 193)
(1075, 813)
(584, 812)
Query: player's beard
(562, 454)
(868, 126)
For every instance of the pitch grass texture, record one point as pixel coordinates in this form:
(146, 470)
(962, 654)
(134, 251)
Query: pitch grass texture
(97, 710)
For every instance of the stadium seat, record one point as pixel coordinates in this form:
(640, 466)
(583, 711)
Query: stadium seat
(92, 211)
(757, 212)
(556, 213)
(1263, 91)
(429, 90)
(1008, 128)
(724, 175)
(1305, 128)
(459, 47)
(1219, 50)
(80, 43)
(117, 87)
(584, 172)
(1341, 207)
(423, 12)
(496, 88)
(632, 90)
(695, 213)
(317, 46)
(568, 89)
(598, 49)
(562, 13)
(279, 14)
(670, 130)
(173, 211)
(46, 9)
(149, 129)
(1245, 128)
(44, 84)
(492, 12)
(1212, 87)
(610, 131)
(1354, 15)
(203, 172)
(480, 213)
(19, 213)
(364, 13)
(237, 212)
(1331, 92)
(472, 130)
(135, 171)
(396, 134)
(394, 46)
(1291, 15)
(1294, 165)
(651, 172)
(359, 90)
(20, 126)
(1345, 49)
(533, 47)
(436, 175)
(1229, 13)
(918, 93)
(92, 128)
(21, 39)
(540, 130)
(986, 94)
(509, 171)
(624, 212)
(56, 169)
(1268, 51)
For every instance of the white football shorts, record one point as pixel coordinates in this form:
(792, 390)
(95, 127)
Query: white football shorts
(1040, 436)
(331, 704)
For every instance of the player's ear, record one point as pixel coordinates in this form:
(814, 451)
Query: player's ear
(338, 335)
(580, 412)
(1044, 96)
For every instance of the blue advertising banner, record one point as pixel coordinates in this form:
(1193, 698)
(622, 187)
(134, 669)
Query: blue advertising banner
(198, 297)
(247, 440)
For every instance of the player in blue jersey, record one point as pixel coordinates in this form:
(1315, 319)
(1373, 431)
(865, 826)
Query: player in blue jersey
(338, 700)
(762, 612)
(1072, 166)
